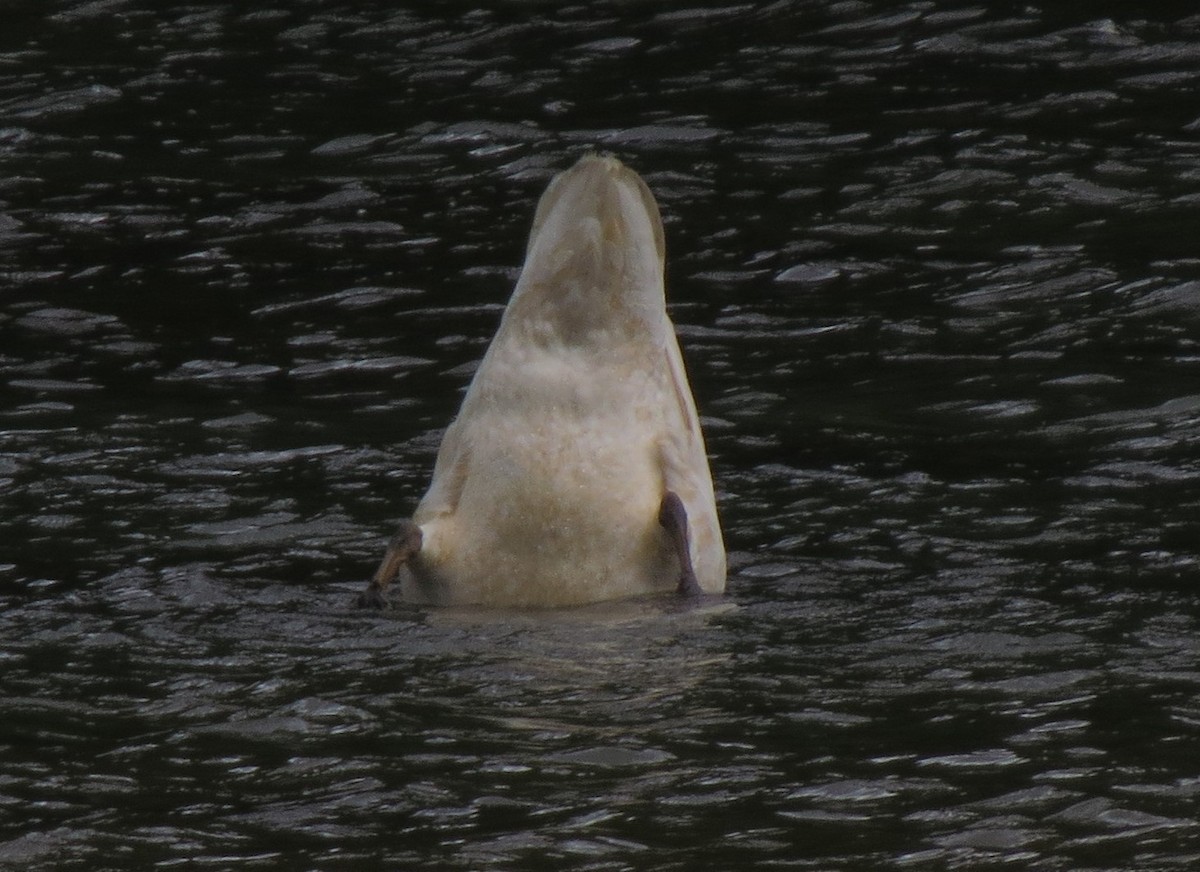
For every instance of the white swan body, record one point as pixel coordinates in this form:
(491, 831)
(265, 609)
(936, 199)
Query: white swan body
(548, 486)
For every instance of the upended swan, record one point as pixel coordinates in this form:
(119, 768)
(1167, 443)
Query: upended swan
(575, 471)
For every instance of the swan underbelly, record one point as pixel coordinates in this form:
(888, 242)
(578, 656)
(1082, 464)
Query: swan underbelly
(554, 512)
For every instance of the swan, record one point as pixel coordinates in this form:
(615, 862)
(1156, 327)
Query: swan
(575, 471)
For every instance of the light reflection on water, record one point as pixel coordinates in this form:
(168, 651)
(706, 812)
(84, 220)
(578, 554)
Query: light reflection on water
(934, 277)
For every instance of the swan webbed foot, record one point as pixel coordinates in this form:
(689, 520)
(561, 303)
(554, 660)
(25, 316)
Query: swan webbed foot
(372, 597)
(404, 544)
(672, 515)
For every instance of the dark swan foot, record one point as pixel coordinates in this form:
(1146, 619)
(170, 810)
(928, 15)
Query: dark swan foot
(405, 543)
(372, 597)
(673, 517)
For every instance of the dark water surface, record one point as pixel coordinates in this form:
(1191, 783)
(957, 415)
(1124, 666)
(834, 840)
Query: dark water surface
(936, 270)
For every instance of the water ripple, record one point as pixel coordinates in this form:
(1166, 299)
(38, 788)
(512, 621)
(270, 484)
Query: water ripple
(934, 282)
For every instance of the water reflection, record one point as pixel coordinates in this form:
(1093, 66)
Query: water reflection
(935, 282)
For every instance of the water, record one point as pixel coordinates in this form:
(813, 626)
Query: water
(935, 275)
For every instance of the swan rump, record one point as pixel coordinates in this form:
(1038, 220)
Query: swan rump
(575, 470)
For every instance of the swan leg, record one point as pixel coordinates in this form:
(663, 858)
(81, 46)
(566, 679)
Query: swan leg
(404, 544)
(673, 517)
